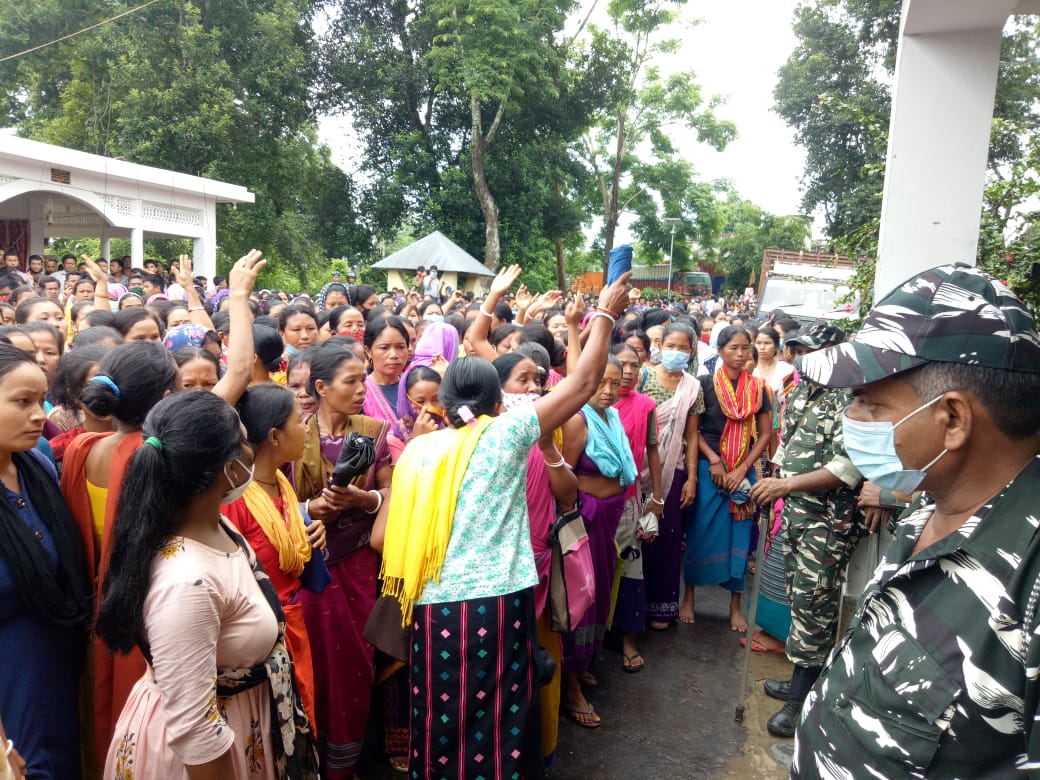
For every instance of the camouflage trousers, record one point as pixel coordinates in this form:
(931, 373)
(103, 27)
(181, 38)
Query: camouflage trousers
(816, 554)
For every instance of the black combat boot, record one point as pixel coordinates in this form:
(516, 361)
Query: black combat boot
(778, 689)
(783, 723)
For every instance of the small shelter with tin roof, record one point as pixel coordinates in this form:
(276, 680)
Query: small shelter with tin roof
(456, 267)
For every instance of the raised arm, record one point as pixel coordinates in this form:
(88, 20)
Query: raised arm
(100, 279)
(240, 339)
(478, 336)
(574, 314)
(186, 279)
(571, 394)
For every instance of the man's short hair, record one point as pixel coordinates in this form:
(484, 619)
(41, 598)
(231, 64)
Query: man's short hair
(503, 312)
(155, 280)
(1008, 396)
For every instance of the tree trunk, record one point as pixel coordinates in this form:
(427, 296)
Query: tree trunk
(561, 266)
(612, 215)
(479, 144)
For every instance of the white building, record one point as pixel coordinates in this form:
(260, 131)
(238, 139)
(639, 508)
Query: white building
(52, 192)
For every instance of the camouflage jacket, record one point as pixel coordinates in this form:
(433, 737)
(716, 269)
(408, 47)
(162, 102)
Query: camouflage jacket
(937, 673)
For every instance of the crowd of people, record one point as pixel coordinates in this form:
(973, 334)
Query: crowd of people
(194, 585)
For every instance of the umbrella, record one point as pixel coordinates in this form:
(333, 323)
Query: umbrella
(355, 458)
(764, 524)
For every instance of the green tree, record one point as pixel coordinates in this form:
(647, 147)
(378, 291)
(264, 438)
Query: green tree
(212, 89)
(748, 232)
(629, 150)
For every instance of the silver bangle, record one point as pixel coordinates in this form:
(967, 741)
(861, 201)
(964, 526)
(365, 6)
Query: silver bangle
(658, 501)
(379, 502)
(9, 748)
(486, 313)
(604, 315)
(558, 465)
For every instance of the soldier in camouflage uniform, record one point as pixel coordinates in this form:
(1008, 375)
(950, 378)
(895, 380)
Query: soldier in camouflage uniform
(821, 524)
(937, 674)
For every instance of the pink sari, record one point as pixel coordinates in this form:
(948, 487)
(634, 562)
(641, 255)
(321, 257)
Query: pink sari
(541, 509)
(634, 409)
(376, 404)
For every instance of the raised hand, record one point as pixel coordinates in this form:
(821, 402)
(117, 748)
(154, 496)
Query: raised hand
(93, 269)
(614, 298)
(505, 279)
(575, 312)
(243, 273)
(184, 272)
(524, 297)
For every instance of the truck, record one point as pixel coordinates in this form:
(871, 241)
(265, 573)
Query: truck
(806, 285)
(684, 283)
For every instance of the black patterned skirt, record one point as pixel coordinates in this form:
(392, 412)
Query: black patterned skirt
(473, 693)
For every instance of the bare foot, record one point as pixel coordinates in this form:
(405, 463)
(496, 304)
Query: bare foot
(686, 613)
(737, 621)
(588, 679)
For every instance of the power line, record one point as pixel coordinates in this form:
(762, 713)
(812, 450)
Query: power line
(78, 32)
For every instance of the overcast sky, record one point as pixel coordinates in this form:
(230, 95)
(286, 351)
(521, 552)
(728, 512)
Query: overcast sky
(736, 52)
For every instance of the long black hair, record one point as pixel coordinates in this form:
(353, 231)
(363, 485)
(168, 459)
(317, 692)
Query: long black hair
(60, 596)
(470, 382)
(264, 407)
(325, 360)
(143, 372)
(71, 374)
(198, 434)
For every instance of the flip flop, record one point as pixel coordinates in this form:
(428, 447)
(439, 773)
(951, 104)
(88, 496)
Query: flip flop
(665, 627)
(575, 714)
(758, 647)
(631, 667)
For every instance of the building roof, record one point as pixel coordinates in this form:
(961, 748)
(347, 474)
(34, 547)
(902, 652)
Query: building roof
(48, 156)
(435, 249)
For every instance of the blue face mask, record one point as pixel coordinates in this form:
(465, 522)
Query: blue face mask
(434, 318)
(290, 350)
(655, 355)
(781, 347)
(872, 449)
(674, 359)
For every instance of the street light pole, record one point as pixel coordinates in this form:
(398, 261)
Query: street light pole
(673, 221)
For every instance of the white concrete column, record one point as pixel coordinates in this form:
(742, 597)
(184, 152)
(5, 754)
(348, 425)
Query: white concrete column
(204, 256)
(942, 109)
(106, 244)
(136, 248)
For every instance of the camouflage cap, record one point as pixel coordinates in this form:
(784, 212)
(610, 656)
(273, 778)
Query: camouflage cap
(951, 314)
(817, 337)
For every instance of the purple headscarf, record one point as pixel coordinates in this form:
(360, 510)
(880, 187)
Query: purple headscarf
(438, 340)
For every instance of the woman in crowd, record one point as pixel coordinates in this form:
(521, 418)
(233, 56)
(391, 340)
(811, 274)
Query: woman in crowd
(40, 310)
(460, 563)
(297, 379)
(74, 369)
(595, 446)
(347, 321)
(197, 368)
(421, 412)
(386, 342)
(365, 298)
(735, 429)
(268, 515)
(45, 593)
(679, 405)
(48, 344)
(218, 698)
(776, 373)
(298, 327)
(343, 660)
(137, 323)
(130, 380)
(639, 420)
(129, 301)
(548, 490)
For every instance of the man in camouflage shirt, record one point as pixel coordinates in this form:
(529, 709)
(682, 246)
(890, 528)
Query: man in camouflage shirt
(939, 672)
(820, 524)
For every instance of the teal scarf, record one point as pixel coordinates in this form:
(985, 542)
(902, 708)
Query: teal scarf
(607, 446)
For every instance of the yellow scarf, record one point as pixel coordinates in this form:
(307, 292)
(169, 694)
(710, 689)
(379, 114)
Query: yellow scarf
(294, 549)
(418, 527)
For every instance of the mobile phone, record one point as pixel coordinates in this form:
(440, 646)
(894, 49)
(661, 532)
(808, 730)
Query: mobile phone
(620, 262)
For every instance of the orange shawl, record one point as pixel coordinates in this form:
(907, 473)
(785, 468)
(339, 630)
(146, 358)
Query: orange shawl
(114, 675)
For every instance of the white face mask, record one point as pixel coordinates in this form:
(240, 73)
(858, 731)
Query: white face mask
(236, 492)
(517, 400)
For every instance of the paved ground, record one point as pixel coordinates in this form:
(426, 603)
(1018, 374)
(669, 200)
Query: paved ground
(675, 719)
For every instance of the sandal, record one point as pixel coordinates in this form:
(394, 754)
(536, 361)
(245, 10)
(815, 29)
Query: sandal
(660, 625)
(633, 663)
(584, 718)
(399, 764)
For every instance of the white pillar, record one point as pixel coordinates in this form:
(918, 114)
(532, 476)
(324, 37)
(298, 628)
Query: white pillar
(942, 109)
(136, 248)
(204, 256)
(106, 244)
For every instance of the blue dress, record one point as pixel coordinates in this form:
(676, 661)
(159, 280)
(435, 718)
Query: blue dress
(39, 677)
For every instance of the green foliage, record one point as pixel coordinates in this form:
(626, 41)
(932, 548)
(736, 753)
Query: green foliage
(214, 89)
(833, 91)
(748, 232)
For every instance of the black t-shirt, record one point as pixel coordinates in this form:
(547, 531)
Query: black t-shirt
(713, 420)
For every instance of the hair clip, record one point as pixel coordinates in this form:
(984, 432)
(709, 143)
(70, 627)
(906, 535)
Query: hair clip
(107, 380)
(466, 415)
